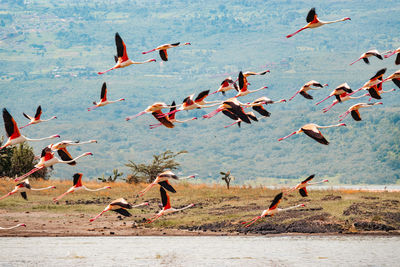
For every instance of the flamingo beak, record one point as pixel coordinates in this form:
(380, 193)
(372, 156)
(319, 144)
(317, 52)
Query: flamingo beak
(24, 225)
(302, 205)
(53, 187)
(342, 124)
(57, 136)
(108, 187)
(325, 181)
(89, 153)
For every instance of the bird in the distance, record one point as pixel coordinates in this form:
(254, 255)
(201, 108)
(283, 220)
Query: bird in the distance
(302, 186)
(13, 134)
(243, 90)
(163, 49)
(36, 119)
(77, 185)
(226, 85)
(312, 130)
(120, 206)
(122, 58)
(308, 86)
(23, 187)
(314, 22)
(353, 110)
(272, 210)
(103, 99)
(257, 105)
(156, 107)
(366, 55)
(337, 92)
(374, 80)
(343, 97)
(171, 118)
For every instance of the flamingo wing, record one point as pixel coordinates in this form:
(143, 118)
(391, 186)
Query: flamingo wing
(165, 121)
(311, 15)
(165, 198)
(168, 186)
(397, 61)
(230, 114)
(242, 82)
(275, 202)
(103, 95)
(252, 116)
(175, 44)
(163, 54)
(317, 136)
(24, 196)
(121, 48)
(65, 156)
(123, 212)
(379, 74)
(77, 179)
(38, 113)
(306, 95)
(309, 178)
(27, 116)
(396, 81)
(10, 125)
(238, 110)
(356, 115)
(262, 111)
(173, 108)
(202, 96)
(374, 93)
(366, 60)
(303, 192)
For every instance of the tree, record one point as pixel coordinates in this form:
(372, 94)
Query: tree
(227, 177)
(148, 172)
(112, 178)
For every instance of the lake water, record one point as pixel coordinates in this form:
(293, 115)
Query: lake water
(201, 251)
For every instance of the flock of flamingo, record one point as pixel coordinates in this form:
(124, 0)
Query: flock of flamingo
(231, 107)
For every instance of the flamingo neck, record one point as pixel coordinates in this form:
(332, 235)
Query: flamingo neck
(333, 21)
(41, 139)
(44, 188)
(290, 208)
(330, 126)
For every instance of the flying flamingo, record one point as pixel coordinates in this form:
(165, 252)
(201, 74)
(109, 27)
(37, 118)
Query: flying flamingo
(13, 134)
(376, 91)
(243, 86)
(272, 210)
(103, 97)
(36, 119)
(120, 206)
(47, 159)
(312, 130)
(391, 53)
(306, 87)
(353, 110)
(158, 106)
(343, 97)
(233, 106)
(162, 180)
(67, 143)
(251, 73)
(226, 85)
(159, 115)
(238, 121)
(302, 186)
(122, 58)
(163, 49)
(314, 22)
(376, 79)
(368, 54)
(77, 185)
(12, 227)
(171, 118)
(23, 187)
(166, 206)
(337, 92)
(257, 105)
(395, 77)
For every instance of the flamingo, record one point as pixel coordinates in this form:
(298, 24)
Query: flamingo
(67, 143)
(162, 180)
(376, 91)
(354, 110)
(368, 54)
(243, 86)
(257, 105)
(251, 73)
(103, 97)
(376, 79)
(238, 121)
(343, 97)
(226, 85)
(163, 49)
(13, 134)
(395, 78)
(166, 206)
(302, 186)
(162, 119)
(77, 185)
(391, 53)
(337, 92)
(12, 227)
(272, 210)
(314, 22)
(122, 58)
(23, 187)
(306, 87)
(47, 159)
(171, 118)
(312, 130)
(36, 119)
(120, 206)
(158, 106)
(233, 106)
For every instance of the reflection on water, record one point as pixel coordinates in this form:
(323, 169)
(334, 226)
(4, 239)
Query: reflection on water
(201, 251)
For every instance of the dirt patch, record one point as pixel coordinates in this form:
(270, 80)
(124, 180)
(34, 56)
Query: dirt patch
(331, 197)
(372, 226)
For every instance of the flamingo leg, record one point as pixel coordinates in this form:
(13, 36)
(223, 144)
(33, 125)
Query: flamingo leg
(355, 61)
(27, 174)
(280, 139)
(25, 125)
(355, 91)
(390, 54)
(152, 126)
(329, 107)
(294, 95)
(296, 32)
(152, 219)
(323, 100)
(102, 72)
(212, 114)
(231, 124)
(91, 220)
(8, 194)
(167, 114)
(252, 221)
(141, 193)
(134, 116)
(344, 115)
(91, 108)
(152, 50)
(61, 196)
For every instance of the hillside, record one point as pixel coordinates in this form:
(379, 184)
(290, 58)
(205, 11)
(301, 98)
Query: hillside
(51, 51)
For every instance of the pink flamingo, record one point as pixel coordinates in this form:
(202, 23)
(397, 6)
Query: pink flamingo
(340, 90)
(391, 53)
(163, 49)
(302, 186)
(122, 58)
(243, 86)
(36, 119)
(257, 105)
(238, 121)
(306, 87)
(226, 85)
(23, 187)
(171, 118)
(77, 185)
(395, 78)
(13, 134)
(343, 97)
(272, 210)
(353, 110)
(375, 80)
(312, 130)
(156, 107)
(368, 54)
(103, 97)
(233, 106)
(314, 22)
(12, 227)
(120, 206)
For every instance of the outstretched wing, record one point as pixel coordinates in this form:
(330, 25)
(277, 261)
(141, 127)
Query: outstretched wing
(103, 95)
(77, 179)
(275, 202)
(379, 74)
(303, 192)
(164, 54)
(10, 124)
(164, 198)
(65, 156)
(38, 112)
(374, 93)
(396, 81)
(397, 61)
(317, 136)
(202, 96)
(356, 115)
(311, 15)
(26, 116)
(123, 212)
(166, 122)
(172, 115)
(230, 115)
(24, 196)
(121, 47)
(366, 60)
(167, 186)
(262, 111)
(306, 95)
(242, 82)
(309, 178)
(238, 110)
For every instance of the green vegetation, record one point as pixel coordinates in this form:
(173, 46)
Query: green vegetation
(112, 178)
(227, 177)
(51, 51)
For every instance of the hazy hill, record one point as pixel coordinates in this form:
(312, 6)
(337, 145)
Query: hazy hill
(51, 51)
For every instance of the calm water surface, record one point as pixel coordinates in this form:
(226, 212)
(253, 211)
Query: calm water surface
(201, 251)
